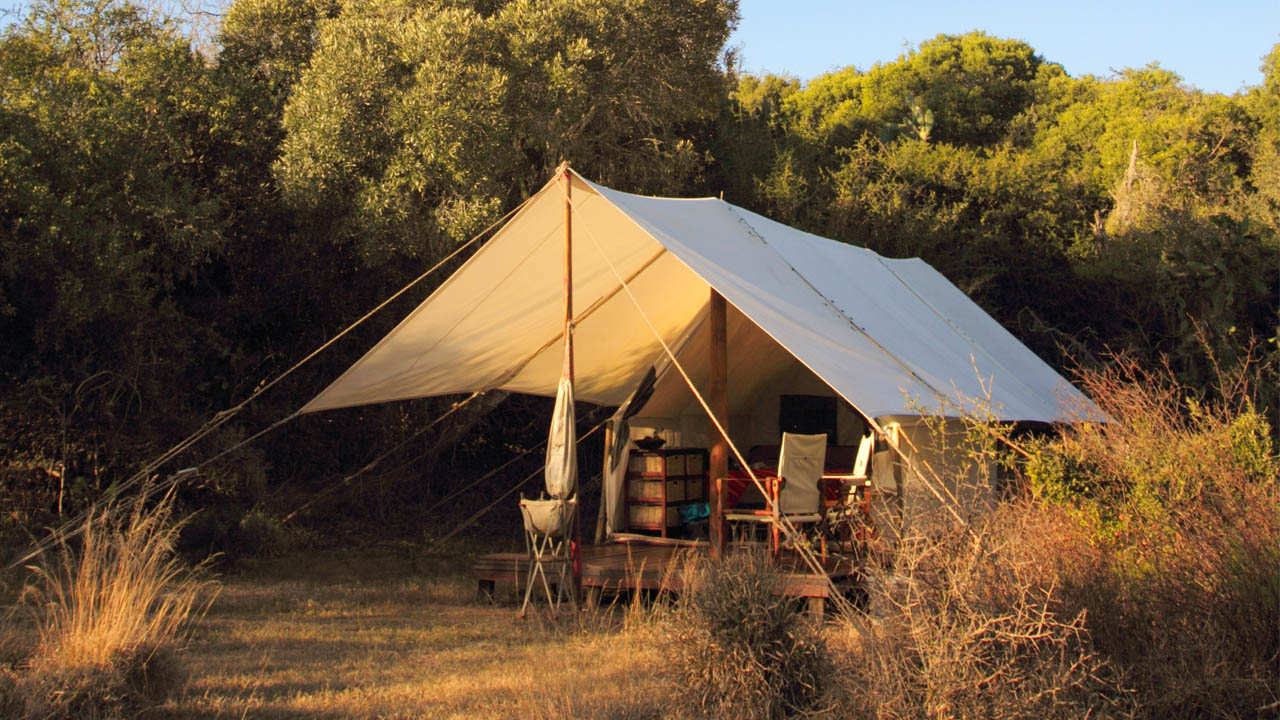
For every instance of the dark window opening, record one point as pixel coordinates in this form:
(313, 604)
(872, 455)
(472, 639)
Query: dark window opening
(808, 414)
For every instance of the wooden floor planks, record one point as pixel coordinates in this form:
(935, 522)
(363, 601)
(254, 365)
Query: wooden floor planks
(622, 566)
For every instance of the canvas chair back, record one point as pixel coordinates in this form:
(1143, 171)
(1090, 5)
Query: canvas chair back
(861, 468)
(861, 462)
(800, 464)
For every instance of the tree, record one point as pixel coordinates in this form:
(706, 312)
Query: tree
(972, 85)
(1123, 212)
(1175, 241)
(104, 227)
(417, 121)
(749, 133)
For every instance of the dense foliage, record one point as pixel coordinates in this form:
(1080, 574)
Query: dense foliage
(177, 227)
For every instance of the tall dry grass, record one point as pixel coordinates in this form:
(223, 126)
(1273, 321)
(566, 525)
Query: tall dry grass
(972, 624)
(1137, 574)
(109, 609)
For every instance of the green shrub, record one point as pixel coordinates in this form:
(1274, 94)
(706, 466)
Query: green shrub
(262, 534)
(1249, 437)
(229, 534)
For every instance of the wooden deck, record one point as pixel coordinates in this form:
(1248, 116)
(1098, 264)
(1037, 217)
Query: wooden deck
(641, 564)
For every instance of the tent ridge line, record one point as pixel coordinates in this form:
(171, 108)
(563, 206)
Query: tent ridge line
(831, 304)
(642, 228)
(972, 344)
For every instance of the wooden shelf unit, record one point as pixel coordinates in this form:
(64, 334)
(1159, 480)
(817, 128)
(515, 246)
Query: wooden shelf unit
(658, 482)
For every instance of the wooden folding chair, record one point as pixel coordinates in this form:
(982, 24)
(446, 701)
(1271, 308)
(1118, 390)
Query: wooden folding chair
(852, 508)
(794, 492)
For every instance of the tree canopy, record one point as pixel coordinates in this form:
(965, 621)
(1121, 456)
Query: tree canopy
(416, 122)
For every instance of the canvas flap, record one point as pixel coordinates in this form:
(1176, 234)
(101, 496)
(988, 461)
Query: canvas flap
(562, 446)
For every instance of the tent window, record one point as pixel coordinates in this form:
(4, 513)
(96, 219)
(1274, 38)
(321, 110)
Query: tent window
(808, 414)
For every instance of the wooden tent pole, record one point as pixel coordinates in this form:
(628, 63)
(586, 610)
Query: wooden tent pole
(602, 513)
(718, 399)
(575, 547)
(568, 275)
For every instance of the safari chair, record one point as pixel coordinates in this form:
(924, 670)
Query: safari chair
(794, 494)
(547, 540)
(851, 510)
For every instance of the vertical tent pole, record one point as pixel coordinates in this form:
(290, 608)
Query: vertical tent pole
(718, 399)
(576, 541)
(602, 514)
(568, 275)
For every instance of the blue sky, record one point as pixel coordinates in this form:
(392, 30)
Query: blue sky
(1215, 46)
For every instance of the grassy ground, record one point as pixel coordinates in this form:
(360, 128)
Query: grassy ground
(376, 636)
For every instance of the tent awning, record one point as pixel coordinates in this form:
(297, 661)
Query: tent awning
(890, 336)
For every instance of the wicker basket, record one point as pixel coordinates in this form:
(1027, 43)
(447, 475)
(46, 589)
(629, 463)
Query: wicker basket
(645, 463)
(651, 516)
(645, 489)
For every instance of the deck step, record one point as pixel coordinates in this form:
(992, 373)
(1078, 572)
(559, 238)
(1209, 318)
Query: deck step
(629, 566)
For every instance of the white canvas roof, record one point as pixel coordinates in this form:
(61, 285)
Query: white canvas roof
(889, 336)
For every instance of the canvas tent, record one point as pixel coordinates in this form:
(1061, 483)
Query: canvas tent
(890, 337)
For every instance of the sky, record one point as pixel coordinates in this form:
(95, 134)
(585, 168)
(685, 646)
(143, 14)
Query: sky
(1215, 46)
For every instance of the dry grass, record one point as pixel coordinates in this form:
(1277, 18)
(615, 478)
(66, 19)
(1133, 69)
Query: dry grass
(1137, 576)
(1179, 506)
(109, 606)
(971, 624)
(360, 636)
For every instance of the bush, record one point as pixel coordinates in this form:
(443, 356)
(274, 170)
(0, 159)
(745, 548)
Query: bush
(1180, 498)
(224, 536)
(124, 687)
(109, 613)
(742, 649)
(1138, 576)
(971, 625)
